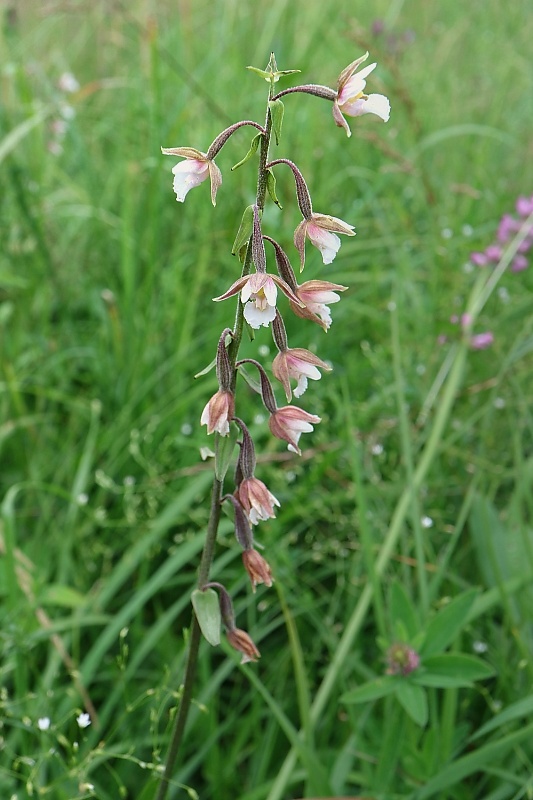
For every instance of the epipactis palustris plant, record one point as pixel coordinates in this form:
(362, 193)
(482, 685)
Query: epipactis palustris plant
(258, 291)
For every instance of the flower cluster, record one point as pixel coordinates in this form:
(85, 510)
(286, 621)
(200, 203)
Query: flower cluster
(258, 289)
(508, 227)
(401, 659)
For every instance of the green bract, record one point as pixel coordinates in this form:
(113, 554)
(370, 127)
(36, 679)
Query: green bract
(207, 609)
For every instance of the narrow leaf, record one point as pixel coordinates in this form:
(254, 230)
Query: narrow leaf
(435, 681)
(245, 230)
(276, 112)
(271, 186)
(522, 708)
(207, 609)
(207, 369)
(477, 761)
(224, 446)
(403, 611)
(253, 149)
(459, 665)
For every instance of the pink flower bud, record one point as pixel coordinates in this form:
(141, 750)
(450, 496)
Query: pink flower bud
(257, 568)
(242, 642)
(219, 412)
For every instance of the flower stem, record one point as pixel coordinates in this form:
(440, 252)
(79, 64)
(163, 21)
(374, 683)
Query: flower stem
(216, 494)
(194, 643)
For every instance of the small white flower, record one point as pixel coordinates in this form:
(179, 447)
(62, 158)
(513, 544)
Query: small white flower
(83, 720)
(68, 83)
(480, 647)
(43, 723)
(426, 522)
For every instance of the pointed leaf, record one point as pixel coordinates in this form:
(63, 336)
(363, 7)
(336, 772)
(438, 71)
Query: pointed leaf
(447, 624)
(253, 149)
(276, 112)
(414, 700)
(435, 681)
(224, 446)
(262, 73)
(372, 690)
(245, 230)
(207, 609)
(403, 612)
(271, 186)
(459, 665)
(207, 369)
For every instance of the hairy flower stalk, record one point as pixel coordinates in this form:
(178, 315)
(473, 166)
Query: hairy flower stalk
(258, 305)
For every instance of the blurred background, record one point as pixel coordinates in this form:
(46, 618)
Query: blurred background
(106, 316)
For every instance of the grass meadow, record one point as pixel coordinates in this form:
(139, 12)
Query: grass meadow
(408, 518)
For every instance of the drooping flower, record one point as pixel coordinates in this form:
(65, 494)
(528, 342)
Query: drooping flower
(193, 171)
(252, 494)
(316, 296)
(256, 500)
(321, 230)
(289, 422)
(259, 293)
(218, 412)
(300, 364)
(351, 99)
(257, 567)
(242, 642)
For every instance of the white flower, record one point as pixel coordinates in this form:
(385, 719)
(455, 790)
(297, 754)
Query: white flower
(43, 723)
(83, 720)
(351, 99)
(68, 83)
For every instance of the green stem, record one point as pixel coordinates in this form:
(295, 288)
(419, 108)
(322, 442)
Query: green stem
(216, 494)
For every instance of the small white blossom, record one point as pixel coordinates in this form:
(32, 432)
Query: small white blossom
(43, 723)
(426, 522)
(83, 720)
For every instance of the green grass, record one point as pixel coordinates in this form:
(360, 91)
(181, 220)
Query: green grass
(106, 316)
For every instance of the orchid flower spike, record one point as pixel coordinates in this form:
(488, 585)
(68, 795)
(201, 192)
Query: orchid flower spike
(351, 99)
(196, 168)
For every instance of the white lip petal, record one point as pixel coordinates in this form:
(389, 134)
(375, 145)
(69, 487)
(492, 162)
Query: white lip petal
(302, 386)
(256, 317)
(378, 104)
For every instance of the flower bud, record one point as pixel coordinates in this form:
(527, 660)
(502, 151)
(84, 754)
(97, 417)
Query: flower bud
(242, 642)
(257, 568)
